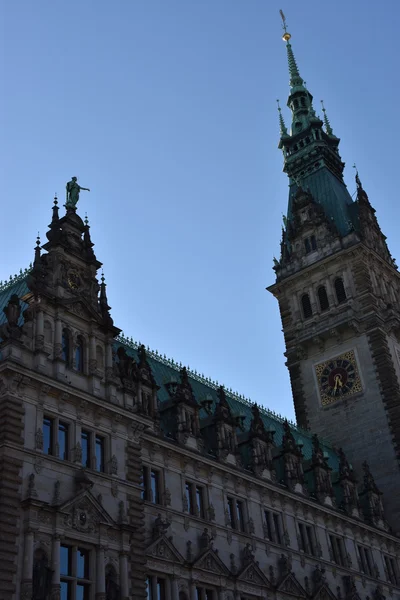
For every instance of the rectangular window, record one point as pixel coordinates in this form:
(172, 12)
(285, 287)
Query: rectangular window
(231, 512)
(306, 538)
(392, 571)
(273, 526)
(366, 560)
(155, 486)
(204, 593)
(99, 449)
(200, 501)
(268, 525)
(47, 435)
(189, 498)
(160, 588)
(63, 441)
(278, 527)
(236, 513)
(74, 573)
(338, 552)
(85, 443)
(240, 515)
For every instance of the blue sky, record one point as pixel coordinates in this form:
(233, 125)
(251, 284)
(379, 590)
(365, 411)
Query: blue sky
(166, 109)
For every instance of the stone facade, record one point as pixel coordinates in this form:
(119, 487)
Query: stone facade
(126, 476)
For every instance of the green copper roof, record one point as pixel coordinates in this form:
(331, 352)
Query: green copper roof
(334, 197)
(165, 370)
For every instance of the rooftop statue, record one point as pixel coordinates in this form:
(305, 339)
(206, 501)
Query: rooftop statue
(73, 190)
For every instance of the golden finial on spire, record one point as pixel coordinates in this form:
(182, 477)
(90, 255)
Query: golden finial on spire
(286, 36)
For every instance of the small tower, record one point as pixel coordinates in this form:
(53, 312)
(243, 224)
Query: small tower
(338, 288)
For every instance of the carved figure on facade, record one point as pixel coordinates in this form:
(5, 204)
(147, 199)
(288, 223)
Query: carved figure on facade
(248, 554)
(206, 539)
(160, 526)
(32, 493)
(127, 369)
(114, 465)
(318, 577)
(39, 439)
(321, 470)
(372, 506)
(41, 576)
(284, 566)
(12, 311)
(348, 483)
(261, 442)
(292, 457)
(56, 493)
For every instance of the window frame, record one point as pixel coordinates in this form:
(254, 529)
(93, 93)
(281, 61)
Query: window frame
(340, 292)
(366, 560)
(338, 548)
(237, 510)
(273, 520)
(146, 484)
(391, 569)
(307, 311)
(193, 492)
(91, 460)
(55, 423)
(307, 538)
(72, 577)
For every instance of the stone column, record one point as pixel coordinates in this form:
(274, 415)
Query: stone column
(56, 587)
(28, 554)
(39, 329)
(174, 588)
(221, 594)
(58, 338)
(193, 590)
(26, 585)
(168, 589)
(123, 575)
(92, 355)
(100, 574)
(153, 583)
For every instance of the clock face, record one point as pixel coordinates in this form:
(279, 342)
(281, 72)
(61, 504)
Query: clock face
(73, 280)
(338, 378)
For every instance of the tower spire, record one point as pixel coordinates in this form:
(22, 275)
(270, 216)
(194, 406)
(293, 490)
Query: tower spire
(282, 126)
(327, 124)
(295, 78)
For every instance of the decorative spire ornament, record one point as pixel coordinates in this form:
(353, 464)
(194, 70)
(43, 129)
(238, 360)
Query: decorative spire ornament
(327, 124)
(282, 126)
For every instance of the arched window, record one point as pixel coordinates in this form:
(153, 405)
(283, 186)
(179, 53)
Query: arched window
(340, 291)
(307, 245)
(112, 587)
(79, 354)
(306, 305)
(323, 298)
(313, 242)
(65, 346)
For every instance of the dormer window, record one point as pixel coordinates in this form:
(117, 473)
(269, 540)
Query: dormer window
(303, 101)
(310, 244)
(296, 103)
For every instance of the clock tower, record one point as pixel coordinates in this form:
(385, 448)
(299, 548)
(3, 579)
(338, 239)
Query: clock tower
(338, 289)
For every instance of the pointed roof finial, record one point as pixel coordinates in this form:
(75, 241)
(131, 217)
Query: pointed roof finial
(55, 199)
(37, 249)
(286, 36)
(358, 182)
(86, 219)
(282, 126)
(295, 79)
(327, 124)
